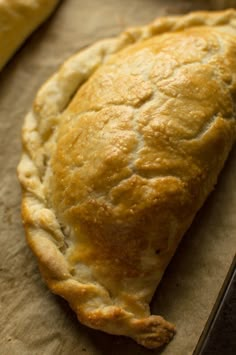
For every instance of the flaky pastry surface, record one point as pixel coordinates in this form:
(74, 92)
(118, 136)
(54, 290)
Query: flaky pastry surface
(18, 19)
(120, 150)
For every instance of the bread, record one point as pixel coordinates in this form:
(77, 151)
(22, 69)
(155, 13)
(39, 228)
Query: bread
(120, 150)
(18, 19)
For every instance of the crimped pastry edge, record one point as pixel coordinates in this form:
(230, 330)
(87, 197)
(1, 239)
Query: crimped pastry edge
(43, 231)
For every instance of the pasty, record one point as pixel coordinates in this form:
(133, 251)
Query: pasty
(18, 19)
(120, 150)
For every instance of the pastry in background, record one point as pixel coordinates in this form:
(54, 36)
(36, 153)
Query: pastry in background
(18, 19)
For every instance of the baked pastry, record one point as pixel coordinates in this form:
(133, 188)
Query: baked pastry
(18, 19)
(120, 150)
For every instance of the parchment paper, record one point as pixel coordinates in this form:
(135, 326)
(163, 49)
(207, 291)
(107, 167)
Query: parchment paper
(32, 320)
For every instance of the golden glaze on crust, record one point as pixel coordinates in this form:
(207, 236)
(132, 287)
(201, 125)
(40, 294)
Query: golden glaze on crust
(121, 149)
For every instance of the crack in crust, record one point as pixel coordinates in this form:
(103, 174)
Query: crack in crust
(96, 299)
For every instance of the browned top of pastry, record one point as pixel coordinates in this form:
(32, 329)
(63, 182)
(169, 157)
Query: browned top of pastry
(138, 143)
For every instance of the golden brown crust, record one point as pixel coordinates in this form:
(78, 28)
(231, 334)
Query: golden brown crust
(18, 19)
(113, 177)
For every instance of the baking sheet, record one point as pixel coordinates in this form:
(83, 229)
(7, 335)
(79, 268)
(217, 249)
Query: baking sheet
(33, 321)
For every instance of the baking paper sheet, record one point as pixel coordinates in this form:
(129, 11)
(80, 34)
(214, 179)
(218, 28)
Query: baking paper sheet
(34, 321)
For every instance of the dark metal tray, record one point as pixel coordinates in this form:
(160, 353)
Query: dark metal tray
(219, 335)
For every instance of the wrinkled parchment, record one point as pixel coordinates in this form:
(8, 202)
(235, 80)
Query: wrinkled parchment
(32, 320)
